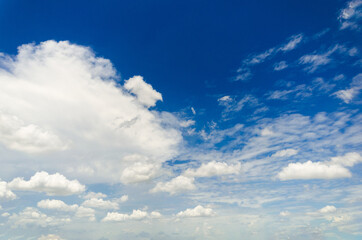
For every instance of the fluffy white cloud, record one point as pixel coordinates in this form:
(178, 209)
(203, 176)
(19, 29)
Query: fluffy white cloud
(94, 195)
(84, 212)
(118, 217)
(124, 198)
(313, 170)
(32, 216)
(284, 213)
(155, 214)
(102, 123)
(53, 184)
(5, 214)
(213, 169)
(5, 192)
(50, 237)
(100, 203)
(328, 209)
(176, 185)
(139, 172)
(348, 160)
(144, 91)
(198, 211)
(285, 153)
(57, 205)
(30, 138)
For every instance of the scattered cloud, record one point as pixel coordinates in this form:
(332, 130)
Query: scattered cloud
(50, 237)
(139, 172)
(285, 153)
(144, 91)
(5, 192)
(176, 185)
(90, 195)
(213, 169)
(284, 213)
(57, 205)
(53, 184)
(280, 66)
(100, 203)
(119, 217)
(349, 94)
(293, 43)
(84, 212)
(328, 209)
(198, 211)
(124, 198)
(351, 15)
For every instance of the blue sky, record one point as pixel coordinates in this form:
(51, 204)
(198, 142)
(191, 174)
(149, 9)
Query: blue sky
(180, 120)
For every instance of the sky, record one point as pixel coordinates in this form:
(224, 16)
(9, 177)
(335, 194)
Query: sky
(180, 120)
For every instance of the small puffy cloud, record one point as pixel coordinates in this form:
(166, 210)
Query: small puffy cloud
(124, 198)
(243, 74)
(293, 43)
(285, 153)
(32, 216)
(5, 214)
(213, 169)
(50, 237)
(176, 185)
(155, 214)
(100, 203)
(57, 205)
(284, 213)
(348, 160)
(119, 217)
(94, 195)
(198, 211)
(266, 132)
(313, 170)
(144, 91)
(139, 172)
(51, 184)
(84, 212)
(328, 209)
(280, 66)
(5, 192)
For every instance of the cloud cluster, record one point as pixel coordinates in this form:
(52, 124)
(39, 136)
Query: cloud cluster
(51, 184)
(5, 192)
(102, 123)
(198, 211)
(335, 168)
(350, 93)
(119, 217)
(351, 15)
(213, 168)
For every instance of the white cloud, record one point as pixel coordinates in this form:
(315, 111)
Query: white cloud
(285, 153)
(50, 237)
(29, 138)
(101, 124)
(328, 209)
(280, 66)
(53, 185)
(84, 212)
(124, 198)
(313, 170)
(176, 185)
(144, 91)
(198, 211)
(100, 203)
(119, 217)
(293, 42)
(155, 214)
(32, 216)
(350, 16)
(213, 169)
(266, 132)
(348, 160)
(94, 195)
(139, 172)
(57, 205)
(349, 94)
(314, 61)
(284, 213)
(5, 214)
(5, 192)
